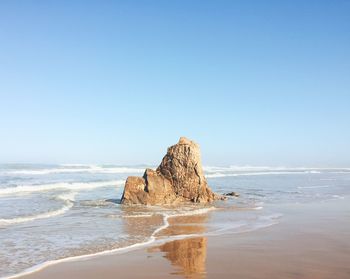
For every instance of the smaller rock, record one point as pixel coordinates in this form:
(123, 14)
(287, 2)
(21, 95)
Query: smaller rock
(233, 194)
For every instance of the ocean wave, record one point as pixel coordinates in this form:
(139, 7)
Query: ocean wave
(233, 228)
(170, 213)
(217, 175)
(57, 186)
(338, 197)
(214, 169)
(99, 203)
(242, 168)
(81, 168)
(68, 204)
(192, 212)
(77, 169)
(313, 187)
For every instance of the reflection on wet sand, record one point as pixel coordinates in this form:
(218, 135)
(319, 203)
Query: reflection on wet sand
(187, 255)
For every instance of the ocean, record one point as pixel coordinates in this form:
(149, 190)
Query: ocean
(51, 213)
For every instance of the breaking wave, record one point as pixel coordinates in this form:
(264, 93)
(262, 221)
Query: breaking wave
(57, 186)
(77, 169)
(216, 175)
(313, 187)
(68, 204)
(213, 169)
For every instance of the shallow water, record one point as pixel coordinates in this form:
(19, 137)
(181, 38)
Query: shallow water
(51, 212)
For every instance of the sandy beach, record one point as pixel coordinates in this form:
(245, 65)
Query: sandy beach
(311, 241)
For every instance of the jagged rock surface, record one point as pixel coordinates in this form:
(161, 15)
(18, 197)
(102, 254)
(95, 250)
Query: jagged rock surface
(178, 178)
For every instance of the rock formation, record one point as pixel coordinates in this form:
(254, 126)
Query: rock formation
(178, 178)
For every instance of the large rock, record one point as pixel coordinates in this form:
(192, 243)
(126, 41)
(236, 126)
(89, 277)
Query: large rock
(178, 178)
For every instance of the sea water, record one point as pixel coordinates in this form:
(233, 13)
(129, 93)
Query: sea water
(51, 213)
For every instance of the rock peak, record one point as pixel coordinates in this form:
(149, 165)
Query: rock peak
(178, 178)
(184, 140)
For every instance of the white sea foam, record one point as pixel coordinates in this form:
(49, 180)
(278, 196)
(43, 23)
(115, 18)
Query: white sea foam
(238, 169)
(56, 186)
(214, 169)
(313, 187)
(113, 216)
(273, 216)
(68, 204)
(193, 212)
(81, 168)
(77, 169)
(243, 168)
(218, 174)
(237, 227)
(338, 197)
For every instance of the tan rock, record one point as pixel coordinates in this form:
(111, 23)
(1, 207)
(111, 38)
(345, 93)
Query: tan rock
(178, 178)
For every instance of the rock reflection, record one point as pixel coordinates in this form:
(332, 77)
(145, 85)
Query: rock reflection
(187, 254)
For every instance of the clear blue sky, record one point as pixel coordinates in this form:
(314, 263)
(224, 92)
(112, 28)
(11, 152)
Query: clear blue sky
(254, 82)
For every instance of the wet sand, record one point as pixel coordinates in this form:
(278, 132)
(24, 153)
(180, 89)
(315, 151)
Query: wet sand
(311, 241)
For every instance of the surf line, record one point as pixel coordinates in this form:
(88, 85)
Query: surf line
(120, 250)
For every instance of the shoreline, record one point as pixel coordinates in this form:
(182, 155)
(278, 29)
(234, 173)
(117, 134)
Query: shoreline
(39, 267)
(141, 245)
(296, 224)
(116, 251)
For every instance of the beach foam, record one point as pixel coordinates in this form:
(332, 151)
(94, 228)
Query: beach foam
(217, 174)
(211, 169)
(76, 169)
(68, 200)
(56, 186)
(313, 187)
